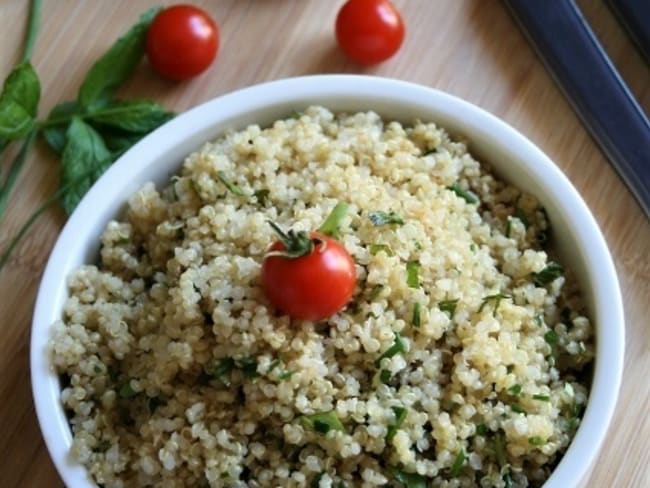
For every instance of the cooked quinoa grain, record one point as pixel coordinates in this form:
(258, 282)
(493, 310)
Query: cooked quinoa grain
(462, 359)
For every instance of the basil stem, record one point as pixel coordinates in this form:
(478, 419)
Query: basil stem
(32, 29)
(14, 171)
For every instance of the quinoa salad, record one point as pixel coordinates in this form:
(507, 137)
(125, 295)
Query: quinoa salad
(463, 358)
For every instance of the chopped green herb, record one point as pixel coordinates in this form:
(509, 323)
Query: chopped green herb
(322, 422)
(521, 215)
(274, 364)
(409, 480)
(102, 446)
(321, 426)
(448, 306)
(333, 221)
(285, 375)
(538, 320)
(473, 247)
(507, 479)
(515, 390)
(397, 347)
(536, 441)
(418, 246)
(316, 481)
(153, 403)
(261, 196)
(295, 114)
(126, 391)
(375, 291)
(400, 416)
(353, 308)
(458, 464)
(464, 194)
(381, 218)
(551, 337)
(572, 423)
(385, 376)
(377, 248)
(542, 398)
(500, 448)
(248, 366)
(232, 187)
(518, 408)
(412, 271)
(415, 319)
(508, 228)
(222, 370)
(481, 429)
(549, 274)
(496, 299)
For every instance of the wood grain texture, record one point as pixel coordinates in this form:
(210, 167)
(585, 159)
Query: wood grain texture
(471, 49)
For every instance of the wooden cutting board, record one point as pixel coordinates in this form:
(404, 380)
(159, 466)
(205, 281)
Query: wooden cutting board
(471, 49)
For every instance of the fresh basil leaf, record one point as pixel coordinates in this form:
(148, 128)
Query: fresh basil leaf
(19, 102)
(118, 142)
(15, 121)
(85, 157)
(22, 86)
(55, 134)
(139, 116)
(116, 65)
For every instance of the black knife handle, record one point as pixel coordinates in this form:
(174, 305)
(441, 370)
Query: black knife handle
(590, 82)
(635, 16)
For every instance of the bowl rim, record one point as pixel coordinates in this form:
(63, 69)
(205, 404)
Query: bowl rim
(610, 340)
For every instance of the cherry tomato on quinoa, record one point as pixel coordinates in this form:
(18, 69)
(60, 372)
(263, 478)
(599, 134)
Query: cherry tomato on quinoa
(182, 41)
(308, 277)
(369, 31)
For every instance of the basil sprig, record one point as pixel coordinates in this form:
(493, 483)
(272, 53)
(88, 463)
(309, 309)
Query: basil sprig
(89, 133)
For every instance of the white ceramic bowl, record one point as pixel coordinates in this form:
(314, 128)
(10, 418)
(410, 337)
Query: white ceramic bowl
(514, 157)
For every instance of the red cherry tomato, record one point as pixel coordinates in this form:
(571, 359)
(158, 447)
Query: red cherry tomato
(369, 31)
(182, 41)
(313, 286)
